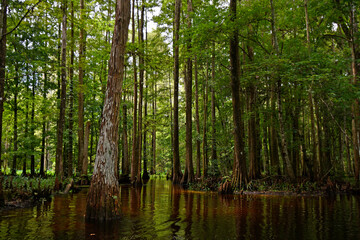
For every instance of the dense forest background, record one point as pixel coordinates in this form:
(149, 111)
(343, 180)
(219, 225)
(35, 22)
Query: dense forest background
(298, 66)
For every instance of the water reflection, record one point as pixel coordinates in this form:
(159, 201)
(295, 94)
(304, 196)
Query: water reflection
(160, 210)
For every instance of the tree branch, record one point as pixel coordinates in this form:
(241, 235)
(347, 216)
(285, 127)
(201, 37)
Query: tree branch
(22, 19)
(335, 36)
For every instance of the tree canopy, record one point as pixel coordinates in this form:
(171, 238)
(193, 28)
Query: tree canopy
(282, 76)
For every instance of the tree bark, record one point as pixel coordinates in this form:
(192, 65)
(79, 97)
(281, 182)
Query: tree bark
(314, 165)
(205, 153)
(197, 121)
(355, 66)
(254, 159)
(284, 144)
(43, 138)
(214, 159)
(3, 28)
(153, 162)
(188, 176)
(84, 169)
(348, 155)
(145, 168)
(265, 150)
(26, 117)
(239, 177)
(273, 141)
(135, 146)
(176, 158)
(71, 98)
(82, 43)
(313, 136)
(351, 32)
(273, 135)
(285, 151)
(254, 164)
(141, 86)
(171, 129)
(61, 122)
(126, 165)
(32, 129)
(296, 132)
(13, 170)
(103, 197)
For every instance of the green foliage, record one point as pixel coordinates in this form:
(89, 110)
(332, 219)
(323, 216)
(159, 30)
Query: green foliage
(321, 67)
(24, 188)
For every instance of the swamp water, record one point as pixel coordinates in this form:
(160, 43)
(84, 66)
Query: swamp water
(160, 210)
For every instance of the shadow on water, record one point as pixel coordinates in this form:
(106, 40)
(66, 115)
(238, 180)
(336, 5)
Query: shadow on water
(160, 210)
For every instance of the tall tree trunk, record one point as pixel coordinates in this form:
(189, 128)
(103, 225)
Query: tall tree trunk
(313, 136)
(213, 116)
(189, 169)
(92, 137)
(3, 27)
(285, 151)
(265, 150)
(273, 141)
(32, 128)
(254, 159)
(61, 121)
(348, 158)
(341, 149)
(65, 144)
(308, 169)
(327, 143)
(126, 164)
(351, 32)
(26, 117)
(176, 158)
(71, 98)
(103, 198)
(47, 152)
(84, 169)
(284, 144)
(254, 164)
(273, 135)
(355, 66)
(147, 86)
(153, 162)
(135, 145)
(82, 43)
(197, 120)
(314, 165)
(296, 130)
(205, 153)
(107, 41)
(145, 170)
(239, 177)
(319, 139)
(43, 137)
(141, 87)
(171, 129)
(13, 170)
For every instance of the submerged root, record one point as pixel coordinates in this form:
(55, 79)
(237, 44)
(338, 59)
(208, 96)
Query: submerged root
(226, 188)
(103, 202)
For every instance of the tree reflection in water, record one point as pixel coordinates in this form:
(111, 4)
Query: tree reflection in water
(160, 210)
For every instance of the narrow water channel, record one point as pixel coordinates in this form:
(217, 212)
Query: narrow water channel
(160, 210)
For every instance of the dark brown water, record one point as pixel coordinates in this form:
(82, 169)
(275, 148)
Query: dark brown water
(159, 210)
